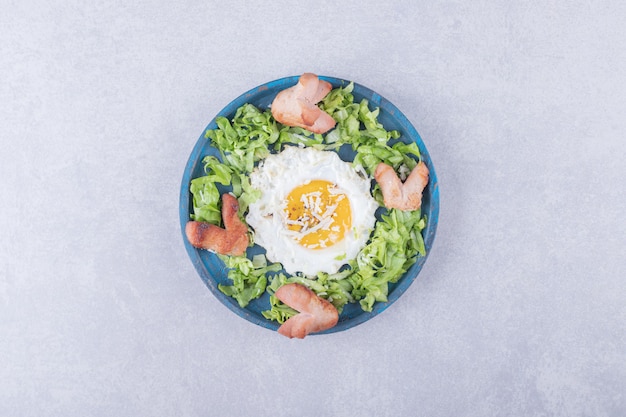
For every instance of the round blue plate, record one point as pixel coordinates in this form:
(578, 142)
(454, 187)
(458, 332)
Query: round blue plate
(212, 270)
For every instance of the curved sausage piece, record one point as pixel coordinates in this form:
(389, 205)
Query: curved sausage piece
(233, 240)
(407, 196)
(297, 105)
(315, 313)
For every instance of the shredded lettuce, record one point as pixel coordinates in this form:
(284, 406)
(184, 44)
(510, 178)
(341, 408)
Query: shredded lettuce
(249, 137)
(393, 248)
(249, 277)
(244, 141)
(206, 196)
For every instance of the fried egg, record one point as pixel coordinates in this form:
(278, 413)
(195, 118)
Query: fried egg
(315, 212)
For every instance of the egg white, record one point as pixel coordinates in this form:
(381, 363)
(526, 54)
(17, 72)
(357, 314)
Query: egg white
(276, 176)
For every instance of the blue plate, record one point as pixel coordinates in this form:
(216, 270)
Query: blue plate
(212, 270)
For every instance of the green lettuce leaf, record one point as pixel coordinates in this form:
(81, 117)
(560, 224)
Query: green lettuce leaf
(249, 277)
(246, 139)
(206, 196)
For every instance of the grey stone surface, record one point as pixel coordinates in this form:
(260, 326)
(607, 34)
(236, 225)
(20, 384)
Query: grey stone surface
(520, 310)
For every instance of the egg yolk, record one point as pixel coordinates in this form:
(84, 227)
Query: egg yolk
(319, 214)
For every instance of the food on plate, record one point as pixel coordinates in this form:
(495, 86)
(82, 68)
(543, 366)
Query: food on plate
(297, 105)
(315, 212)
(316, 219)
(232, 240)
(315, 314)
(396, 194)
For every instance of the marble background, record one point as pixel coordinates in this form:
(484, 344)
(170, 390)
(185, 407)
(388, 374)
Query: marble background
(520, 309)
